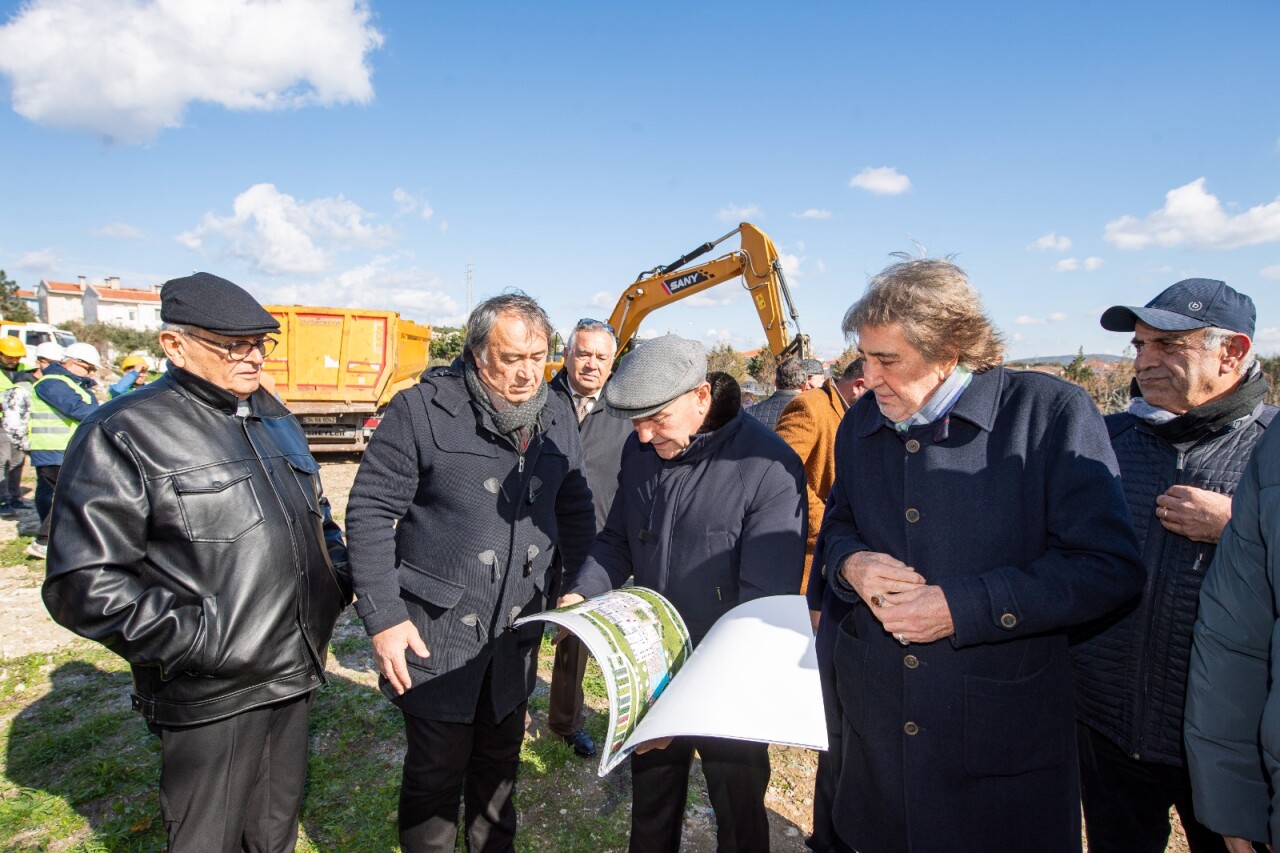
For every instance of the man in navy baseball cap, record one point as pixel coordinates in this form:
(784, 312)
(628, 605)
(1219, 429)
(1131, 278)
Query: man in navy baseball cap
(1193, 303)
(1196, 413)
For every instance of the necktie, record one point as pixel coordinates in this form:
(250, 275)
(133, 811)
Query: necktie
(584, 406)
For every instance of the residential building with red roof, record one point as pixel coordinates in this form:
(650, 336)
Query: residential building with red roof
(62, 302)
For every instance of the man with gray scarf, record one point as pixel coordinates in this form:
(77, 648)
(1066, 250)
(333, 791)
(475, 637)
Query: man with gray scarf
(471, 482)
(1196, 414)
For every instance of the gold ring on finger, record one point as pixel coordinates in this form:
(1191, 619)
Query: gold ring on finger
(877, 600)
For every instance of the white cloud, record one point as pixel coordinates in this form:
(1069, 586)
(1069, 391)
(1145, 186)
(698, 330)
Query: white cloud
(1267, 340)
(1193, 217)
(715, 336)
(821, 266)
(791, 265)
(42, 261)
(1051, 241)
(733, 213)
(414, 293)
(1066, 265)
(884, 180)
(119, 231)
(605, 299)
(127, 69)
(1272, 272)
(407, 203)
(813, 213)
(1092, 263)
(444, 226)
(276, 233)
(1054, 317)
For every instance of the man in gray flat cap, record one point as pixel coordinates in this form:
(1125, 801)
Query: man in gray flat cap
(710, 512)
(190, 536)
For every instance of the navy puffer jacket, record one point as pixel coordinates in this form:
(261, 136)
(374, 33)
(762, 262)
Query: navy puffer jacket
(1131, 669)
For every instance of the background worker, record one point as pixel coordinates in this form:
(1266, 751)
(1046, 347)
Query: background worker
(135, 376)
(47, 353)
(61, 399)
(12, 444)
(587, 365)
(1196, 415)
(789, 380)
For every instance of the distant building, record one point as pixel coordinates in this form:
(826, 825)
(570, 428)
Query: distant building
(122, 306)
(60, 302)
(30, 300)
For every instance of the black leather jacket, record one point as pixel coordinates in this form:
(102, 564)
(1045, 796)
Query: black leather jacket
(198, 546)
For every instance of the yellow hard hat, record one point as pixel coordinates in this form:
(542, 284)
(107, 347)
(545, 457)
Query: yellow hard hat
(12, 347)
(133, 361)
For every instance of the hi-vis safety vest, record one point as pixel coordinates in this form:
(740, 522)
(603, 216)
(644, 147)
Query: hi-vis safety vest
(49, 429)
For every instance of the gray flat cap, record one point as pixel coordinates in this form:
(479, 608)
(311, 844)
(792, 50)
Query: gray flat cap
(653, 374)
(813, 367)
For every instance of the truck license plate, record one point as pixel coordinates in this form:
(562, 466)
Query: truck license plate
(319, 419)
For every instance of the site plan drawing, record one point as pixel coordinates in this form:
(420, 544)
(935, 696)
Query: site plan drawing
(753, 677)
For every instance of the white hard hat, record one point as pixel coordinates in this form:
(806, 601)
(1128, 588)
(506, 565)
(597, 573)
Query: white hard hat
(87, 353)
(49, 351)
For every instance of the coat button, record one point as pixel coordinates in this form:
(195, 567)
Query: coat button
(913, 515)
(488, 557)
(492, 485)
(1008, 620)
(912, 445)
(911, 661)
(470, 620)
(911, 729)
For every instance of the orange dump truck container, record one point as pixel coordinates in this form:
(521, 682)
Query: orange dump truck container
(338, 368)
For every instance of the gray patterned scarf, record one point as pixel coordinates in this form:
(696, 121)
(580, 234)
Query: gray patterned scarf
(516, 421)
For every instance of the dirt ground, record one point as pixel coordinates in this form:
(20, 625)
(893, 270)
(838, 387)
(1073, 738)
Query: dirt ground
(25, 628)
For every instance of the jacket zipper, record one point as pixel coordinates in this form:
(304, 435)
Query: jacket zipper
(297, 560)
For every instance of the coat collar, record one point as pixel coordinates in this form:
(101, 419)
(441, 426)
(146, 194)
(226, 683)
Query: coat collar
(262, 404)
(978, 405)
(452, 396)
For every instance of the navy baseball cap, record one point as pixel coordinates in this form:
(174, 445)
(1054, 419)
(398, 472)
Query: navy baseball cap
(1193, 303)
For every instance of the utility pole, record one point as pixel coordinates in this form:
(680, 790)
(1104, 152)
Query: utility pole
(470, 272)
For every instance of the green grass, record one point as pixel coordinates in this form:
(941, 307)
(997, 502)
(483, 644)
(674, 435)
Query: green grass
(11, 553)
(80, 770)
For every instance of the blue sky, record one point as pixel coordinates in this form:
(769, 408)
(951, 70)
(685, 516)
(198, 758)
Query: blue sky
(1070, 155)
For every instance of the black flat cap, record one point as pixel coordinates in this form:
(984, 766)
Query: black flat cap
(213, 303)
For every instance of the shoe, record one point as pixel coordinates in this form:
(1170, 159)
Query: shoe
(582, 743)
(7, 511)
(35, 549)
(18, 503)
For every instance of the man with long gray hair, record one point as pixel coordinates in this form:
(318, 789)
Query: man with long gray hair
(471, 482)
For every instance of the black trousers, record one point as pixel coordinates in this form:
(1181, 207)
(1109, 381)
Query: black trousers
(737, 774)
(46, 481)
(565, 710)
(236, 784)
(1126, 802)
(477, 760)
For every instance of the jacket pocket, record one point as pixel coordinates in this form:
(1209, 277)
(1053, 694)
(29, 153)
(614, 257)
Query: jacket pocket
(305, 474)
(203, 661)
(718, 575)
(435, 596)
(1014, 727)
(218, 502)
(851, 670)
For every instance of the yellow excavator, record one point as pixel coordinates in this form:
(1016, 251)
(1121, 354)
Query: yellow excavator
(755, 261)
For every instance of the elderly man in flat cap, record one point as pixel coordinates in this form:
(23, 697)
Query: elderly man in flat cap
(1196, 415)
(710, 512)
(191, 537)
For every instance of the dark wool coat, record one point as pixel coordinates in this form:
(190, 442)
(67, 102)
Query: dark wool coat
(1131, 668)
(1012, 505)
(451, 527)
(1233, 691)
(720, 524)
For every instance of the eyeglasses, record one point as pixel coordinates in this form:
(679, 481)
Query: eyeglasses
(238, 350)
(588, 323)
